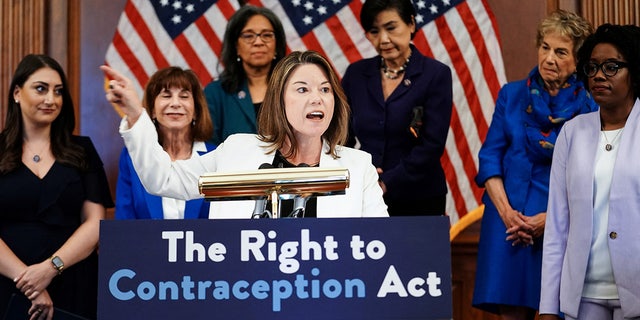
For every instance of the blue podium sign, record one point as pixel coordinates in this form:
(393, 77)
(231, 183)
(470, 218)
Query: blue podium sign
(352, 268)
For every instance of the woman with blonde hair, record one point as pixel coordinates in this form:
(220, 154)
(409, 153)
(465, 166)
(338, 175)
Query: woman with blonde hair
(515, 161)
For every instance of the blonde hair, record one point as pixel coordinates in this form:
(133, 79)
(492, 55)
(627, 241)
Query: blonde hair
(567, 24)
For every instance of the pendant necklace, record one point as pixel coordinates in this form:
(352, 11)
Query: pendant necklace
(394, 74)
(609, 145)
(36, 157)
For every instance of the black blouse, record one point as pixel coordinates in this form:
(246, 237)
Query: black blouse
(286, 206)
(37, 216)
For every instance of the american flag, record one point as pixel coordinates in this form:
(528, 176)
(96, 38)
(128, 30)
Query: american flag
(463, 34)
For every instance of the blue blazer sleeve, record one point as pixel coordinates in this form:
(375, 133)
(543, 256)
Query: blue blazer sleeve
(496, 143)
(125, 208)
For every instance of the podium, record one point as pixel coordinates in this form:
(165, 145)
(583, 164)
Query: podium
(349, 268)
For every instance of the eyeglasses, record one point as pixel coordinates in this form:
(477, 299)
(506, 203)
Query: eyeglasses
(250, 37)
(609, 68)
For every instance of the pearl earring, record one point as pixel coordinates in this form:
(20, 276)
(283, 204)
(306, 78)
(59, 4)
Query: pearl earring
(17, 102)
(238, 59)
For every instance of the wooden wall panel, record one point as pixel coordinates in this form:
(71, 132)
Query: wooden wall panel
(23, 24)
(611, 11)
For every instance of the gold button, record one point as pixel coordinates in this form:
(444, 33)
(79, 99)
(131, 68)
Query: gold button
(613, 235)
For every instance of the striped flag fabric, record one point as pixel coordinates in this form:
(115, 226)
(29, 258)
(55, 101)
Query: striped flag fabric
(152, 34)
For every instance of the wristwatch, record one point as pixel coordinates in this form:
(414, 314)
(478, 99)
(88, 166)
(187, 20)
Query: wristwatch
(57, 263)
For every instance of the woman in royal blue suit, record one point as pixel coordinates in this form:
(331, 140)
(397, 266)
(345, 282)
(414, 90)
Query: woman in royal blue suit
(401, 105)
(175, 101)
(515, 162)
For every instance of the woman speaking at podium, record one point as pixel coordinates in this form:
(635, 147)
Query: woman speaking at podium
(303, 122)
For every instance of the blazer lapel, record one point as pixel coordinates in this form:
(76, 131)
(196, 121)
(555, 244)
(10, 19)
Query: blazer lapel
(243, 99)
(336, 202)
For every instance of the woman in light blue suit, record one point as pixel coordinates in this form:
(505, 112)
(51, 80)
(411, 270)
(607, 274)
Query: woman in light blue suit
(176, 103)
(590, 266)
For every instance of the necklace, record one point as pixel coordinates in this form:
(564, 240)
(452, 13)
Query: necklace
(394, 74)
(36, 156)
(609, 145)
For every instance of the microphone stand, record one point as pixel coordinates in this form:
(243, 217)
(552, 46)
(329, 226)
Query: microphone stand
(299, 206)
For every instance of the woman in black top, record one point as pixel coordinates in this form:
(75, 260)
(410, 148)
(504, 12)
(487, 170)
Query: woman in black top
(53, 194)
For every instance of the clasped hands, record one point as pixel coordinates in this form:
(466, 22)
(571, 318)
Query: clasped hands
(33, 282)
(521, 229)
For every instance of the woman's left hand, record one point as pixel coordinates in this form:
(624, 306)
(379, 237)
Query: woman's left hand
(535, 229)
(41, 307)
(35, 279)
(537, 224)
(520, 236)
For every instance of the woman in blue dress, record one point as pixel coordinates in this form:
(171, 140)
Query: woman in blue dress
(515, 163)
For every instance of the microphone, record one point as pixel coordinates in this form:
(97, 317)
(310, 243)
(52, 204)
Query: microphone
(260, 210)
(299, 202)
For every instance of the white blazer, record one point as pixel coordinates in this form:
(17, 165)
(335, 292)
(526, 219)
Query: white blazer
(245, 152)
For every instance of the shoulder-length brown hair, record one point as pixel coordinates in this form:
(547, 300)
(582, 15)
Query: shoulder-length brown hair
(273, 126)
(166, 78)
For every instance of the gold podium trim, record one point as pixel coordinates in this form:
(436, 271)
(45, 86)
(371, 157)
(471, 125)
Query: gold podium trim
(251, 185)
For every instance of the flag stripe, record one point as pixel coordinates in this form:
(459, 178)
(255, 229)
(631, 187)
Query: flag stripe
(342, 39)
(192, 58)
(489, 73)
(145, 35)
(210, 36)
(463, 70)
(454, 189)
(134, 64)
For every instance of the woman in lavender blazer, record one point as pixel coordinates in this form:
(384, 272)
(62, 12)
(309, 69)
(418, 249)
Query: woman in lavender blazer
(590, 266)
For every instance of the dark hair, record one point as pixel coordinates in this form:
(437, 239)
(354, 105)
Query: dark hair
(233, 74)
(626, 39)
(185, 79)
(11, 139)
(371, 9)
(273, 126)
